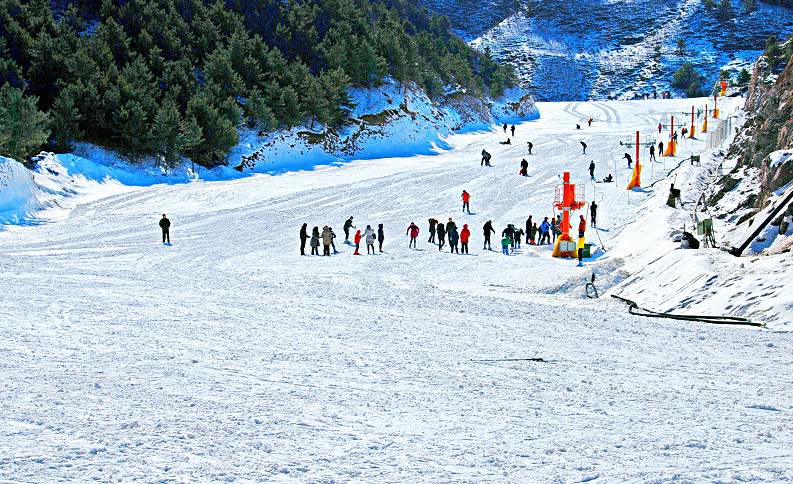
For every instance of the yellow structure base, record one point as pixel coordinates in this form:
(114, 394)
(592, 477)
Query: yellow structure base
(692, 132)
(564, 248)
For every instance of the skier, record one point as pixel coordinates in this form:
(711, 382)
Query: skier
(357, 240)
(381, 236)
(592, 169)
(303, 238)
(165, 225)
(530, 145)
(347, 226)
(581, 226)
(370, 236)
(505, 241)
(512, 128)
(485, 158)
(524, 167)
(674, 137)
(593, 211)
(466, 202)
(630, 160)
(552, 229)
(454, 238)
(433, 222)
(577, 126)
(505, 127)
(488, 229)
(660, 148)
(441, 229)
(507, 142)
(660, 126)
(413, 231)
(583, 145)
(315, 241)
(327, 239)
(608, 179)
(590, 122)
(652, 152)
(465, 235)
(545, 232)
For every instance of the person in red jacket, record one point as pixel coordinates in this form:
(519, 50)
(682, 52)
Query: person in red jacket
(357, 242)
(465, 234)
(581, 227)
(466, 202)
(413, 231)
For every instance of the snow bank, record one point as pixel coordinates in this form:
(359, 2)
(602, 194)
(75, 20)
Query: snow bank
(18, 193)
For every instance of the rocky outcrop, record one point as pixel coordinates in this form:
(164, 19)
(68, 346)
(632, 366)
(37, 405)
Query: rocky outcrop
(768, 129)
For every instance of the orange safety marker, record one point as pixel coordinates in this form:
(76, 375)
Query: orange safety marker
(636, 179)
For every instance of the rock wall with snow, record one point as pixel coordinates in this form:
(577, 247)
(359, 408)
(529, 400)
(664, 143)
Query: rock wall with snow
(762, 154)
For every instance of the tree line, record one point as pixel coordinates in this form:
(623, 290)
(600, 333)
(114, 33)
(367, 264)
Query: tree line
(177, 78)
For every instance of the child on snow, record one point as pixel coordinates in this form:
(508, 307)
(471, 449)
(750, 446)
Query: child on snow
(505, 243)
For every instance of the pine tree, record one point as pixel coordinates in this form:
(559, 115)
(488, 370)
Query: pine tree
(165, 133)
(219, 133)
(65, 120)
(23, 128)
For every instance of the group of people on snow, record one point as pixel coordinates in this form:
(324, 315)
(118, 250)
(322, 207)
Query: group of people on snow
(327, 237)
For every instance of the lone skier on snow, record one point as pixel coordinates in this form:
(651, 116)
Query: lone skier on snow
(165, 225)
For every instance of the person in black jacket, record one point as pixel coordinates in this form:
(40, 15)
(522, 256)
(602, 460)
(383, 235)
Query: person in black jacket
(528, 229)
(347, 226)
(630, 160)
(592, 169)
(303, 238)
(165, 225)
(433, 222)
(441, 230)
(488, 229)
(593, 210)
(485, 158)
(524, 167)
(583, 145)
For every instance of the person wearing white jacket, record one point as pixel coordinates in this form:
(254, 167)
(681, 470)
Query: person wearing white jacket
(371, 236)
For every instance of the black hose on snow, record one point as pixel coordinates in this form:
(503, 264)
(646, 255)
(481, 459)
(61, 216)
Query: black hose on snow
(637, 310)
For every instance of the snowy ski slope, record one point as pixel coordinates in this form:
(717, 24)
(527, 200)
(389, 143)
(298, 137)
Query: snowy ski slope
(230, 357)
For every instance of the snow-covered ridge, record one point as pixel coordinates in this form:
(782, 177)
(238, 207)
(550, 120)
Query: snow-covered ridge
(388, 121)
(592, 49)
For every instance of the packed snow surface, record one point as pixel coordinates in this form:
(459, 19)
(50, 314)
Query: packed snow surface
(228, 356)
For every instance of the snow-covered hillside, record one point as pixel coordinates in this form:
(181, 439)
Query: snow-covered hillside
(228, 356)
(591, 49)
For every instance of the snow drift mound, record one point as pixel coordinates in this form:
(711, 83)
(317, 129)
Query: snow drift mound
(18, 193)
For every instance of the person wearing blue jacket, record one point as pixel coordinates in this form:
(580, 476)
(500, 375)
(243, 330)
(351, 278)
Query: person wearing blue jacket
(545, 228)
